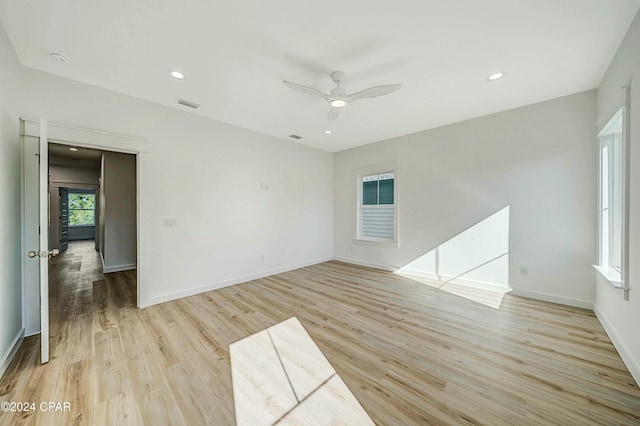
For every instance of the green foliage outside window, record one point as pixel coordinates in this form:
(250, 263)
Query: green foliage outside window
(82, 209)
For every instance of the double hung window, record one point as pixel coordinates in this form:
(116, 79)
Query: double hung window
(377, 207)
(612, 199)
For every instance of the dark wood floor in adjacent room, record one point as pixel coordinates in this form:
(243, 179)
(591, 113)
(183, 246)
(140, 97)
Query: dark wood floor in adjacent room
(410, 353)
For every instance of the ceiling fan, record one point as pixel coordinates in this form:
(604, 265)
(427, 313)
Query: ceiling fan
(338, 97)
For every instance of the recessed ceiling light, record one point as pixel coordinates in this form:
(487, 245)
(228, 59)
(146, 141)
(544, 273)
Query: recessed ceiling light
(496, 76)
(177, 75)
(327, 132)
(73, 149)
(338, 103)
(60, 57)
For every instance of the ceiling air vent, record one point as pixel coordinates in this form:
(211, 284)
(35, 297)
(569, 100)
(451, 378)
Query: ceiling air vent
(187, 103)
(296, 137)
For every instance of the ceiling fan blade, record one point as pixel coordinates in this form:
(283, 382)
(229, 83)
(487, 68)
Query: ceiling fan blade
(306, 89)
(373, 92)
(333, 113)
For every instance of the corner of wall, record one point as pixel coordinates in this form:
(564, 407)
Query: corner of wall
(7, 357)
(624, 352)
(576, 303)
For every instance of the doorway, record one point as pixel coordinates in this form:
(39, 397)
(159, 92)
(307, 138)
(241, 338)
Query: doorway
(92, 211)
(36, 135)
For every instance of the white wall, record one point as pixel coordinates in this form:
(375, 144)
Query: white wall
(537, 160)
(207, 176)
(119, 185)
(621, 318)
(11, 324)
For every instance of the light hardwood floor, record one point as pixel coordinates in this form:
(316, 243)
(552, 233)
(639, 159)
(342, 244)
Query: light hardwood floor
(410, 353)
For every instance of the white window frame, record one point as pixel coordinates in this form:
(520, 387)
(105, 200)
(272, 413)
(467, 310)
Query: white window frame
(374, 170)
(617, 277)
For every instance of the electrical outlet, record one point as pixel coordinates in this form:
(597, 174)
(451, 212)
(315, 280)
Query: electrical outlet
(170, 222)
(261, 258)
(524, 270)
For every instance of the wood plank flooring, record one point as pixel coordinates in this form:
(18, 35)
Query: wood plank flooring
(410, 353)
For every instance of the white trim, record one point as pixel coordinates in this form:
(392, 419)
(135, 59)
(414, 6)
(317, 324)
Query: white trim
(117, 268)
(627, 356)
(420, 274)
(74, 185)
(13, 348)
(620, 106)
(43, 222)
(392, 167)
(622, 98)
(545, 297)
(141, 290)
(23, 238)
(367, 264)
(378, 243)
(68, 134)
(612, 275)
(578, 303)
(190, 292)
(452, 279)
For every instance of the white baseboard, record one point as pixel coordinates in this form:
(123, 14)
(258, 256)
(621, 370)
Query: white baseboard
(190, 292)
(118, 268)
(632, 363)
(10, 353)
(545, 297)
(453, 280)
(578, 303)
(366, 264)
(423, 274)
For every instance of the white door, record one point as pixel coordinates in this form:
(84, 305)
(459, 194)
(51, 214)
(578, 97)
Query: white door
(36, 192)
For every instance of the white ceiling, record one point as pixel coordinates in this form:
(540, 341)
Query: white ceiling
(92, 156)
(235, 55)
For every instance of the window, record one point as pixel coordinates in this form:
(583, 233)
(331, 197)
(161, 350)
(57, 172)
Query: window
(377, 207)
(82, 209)
(612, 200)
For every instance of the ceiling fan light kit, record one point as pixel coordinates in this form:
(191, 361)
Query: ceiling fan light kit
(338, 98)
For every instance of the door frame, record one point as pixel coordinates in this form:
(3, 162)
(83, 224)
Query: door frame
(72, 135)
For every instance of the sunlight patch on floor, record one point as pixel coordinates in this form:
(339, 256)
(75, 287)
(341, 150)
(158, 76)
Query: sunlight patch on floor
(281, 377)
(473, 264)
(485, 294)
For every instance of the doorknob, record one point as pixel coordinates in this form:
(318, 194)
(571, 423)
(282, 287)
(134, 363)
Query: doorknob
(43, 253)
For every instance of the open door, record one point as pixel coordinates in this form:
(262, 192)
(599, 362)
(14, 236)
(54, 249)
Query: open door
(37, 194)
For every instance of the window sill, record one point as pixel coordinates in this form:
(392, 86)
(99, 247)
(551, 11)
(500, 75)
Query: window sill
(378, 243)
(611, 275)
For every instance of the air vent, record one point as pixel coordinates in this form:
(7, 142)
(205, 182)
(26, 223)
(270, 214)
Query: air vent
(187, 103)
(296, 137)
